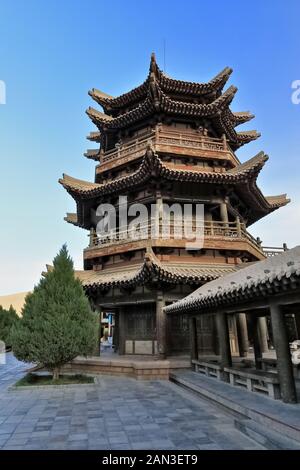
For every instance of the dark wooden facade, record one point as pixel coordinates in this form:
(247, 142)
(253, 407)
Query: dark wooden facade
(168, 141)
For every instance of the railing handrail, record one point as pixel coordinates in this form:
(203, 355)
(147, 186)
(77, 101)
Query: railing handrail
(270, 251)
(156, 136)
(210, 228)
(129, 144)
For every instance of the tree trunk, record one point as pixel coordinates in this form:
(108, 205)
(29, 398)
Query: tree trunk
(55, 373)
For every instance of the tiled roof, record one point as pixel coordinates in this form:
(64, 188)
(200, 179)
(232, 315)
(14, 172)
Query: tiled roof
(242, 117)
(161, 94)
(152, 163)
(157, 101)
(277, 201)
(280, 273)
(166, 84)
(243, 177)
(71, 218)
(93, 154)
(94, 136)
(151, 267)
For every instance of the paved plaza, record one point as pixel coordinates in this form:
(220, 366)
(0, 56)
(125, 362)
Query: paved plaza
(115, 413)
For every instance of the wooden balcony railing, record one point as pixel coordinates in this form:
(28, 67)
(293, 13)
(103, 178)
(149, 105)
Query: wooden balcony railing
(270, 251)
(173, 231)
(164, 136)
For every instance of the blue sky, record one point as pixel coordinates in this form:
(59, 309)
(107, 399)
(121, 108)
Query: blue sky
(52, 52)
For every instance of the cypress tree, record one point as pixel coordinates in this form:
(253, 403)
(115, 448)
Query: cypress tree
(57, 322)
(7, 319)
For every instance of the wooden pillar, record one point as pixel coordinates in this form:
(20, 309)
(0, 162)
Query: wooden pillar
(252, 322)
(224, 344)
(98, 343)
(92, 236)
(216, 345)
(297, 324)
(208, 221)
(161, 326)
(224, 212)
(122, 330)
(116, 333)
(193, 338)
(238, 227)
(284, 362)
(263, 334)
(242, 332)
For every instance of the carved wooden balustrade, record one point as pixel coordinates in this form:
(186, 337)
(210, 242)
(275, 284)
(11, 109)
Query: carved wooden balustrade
(162, 137)
(186, 231)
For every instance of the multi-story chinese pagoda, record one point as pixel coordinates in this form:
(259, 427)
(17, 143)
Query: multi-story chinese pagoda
(168, 141)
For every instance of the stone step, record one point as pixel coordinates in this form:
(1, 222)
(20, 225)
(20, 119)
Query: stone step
(218, 393)
(264, 436)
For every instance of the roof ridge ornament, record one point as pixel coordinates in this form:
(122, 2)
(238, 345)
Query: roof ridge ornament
(153, 65)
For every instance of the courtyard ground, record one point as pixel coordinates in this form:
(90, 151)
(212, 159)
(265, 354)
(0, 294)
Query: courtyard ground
(114, 413)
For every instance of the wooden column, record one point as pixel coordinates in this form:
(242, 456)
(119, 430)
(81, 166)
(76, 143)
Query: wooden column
(238, 227)
(116, 333)
(252, 322)
(194, 338)
(242, 332)
(224, 344)
(284, 362)
(161, 326)
(122, 330)
(216, 344)
(97, 346)
(263, 334)
(297, 324)
(224, 212)
(92, 236)
(208, 221)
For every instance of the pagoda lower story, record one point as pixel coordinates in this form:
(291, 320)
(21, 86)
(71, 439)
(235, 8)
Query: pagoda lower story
(168, 142)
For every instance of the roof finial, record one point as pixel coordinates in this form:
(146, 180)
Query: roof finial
(153, 63)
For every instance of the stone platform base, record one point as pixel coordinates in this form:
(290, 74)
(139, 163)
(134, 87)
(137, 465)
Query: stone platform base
(138, 368)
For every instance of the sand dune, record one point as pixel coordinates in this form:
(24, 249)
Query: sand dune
(16, 300)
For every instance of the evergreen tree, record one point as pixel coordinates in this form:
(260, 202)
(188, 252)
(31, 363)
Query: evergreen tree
(57, 322)
(7, 319)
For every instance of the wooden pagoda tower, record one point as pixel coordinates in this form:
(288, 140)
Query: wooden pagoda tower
(168, 141)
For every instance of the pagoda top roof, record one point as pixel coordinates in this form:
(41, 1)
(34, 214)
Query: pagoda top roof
(167, 84)
(243, 177)
(161, 95)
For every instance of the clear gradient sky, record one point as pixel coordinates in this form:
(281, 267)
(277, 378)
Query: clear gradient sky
(52, 52)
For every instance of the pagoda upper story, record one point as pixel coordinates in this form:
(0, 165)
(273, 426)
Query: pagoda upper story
(163, 99)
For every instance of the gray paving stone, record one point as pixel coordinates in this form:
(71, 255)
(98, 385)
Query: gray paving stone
(7, 428)
(117, 413)
(17, 441)
(40, 434)
(118, 440)
(78, 437)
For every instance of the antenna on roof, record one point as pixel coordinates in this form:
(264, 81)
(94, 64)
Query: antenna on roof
(164, 54)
